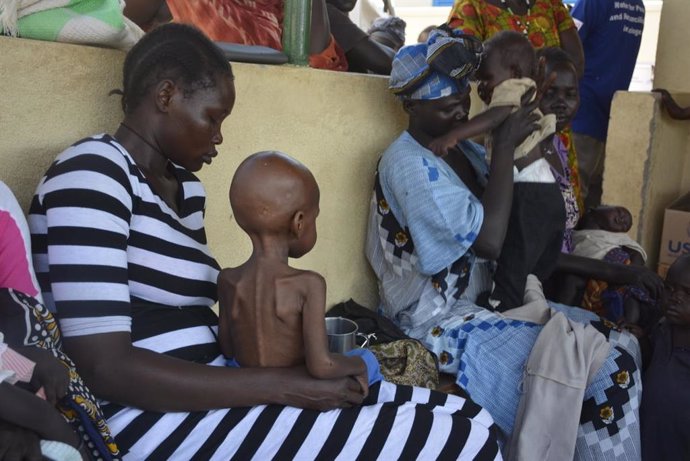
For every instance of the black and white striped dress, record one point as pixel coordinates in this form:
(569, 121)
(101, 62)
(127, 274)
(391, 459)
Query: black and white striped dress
(111, 256)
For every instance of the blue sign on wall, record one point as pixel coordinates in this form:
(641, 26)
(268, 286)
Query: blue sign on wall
(442, 3)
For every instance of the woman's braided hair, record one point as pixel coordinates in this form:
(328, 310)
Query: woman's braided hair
(173, 51)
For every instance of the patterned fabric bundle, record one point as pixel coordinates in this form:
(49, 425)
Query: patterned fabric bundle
(88, 22)
(28, 323)
(406, 362)
(436, 69)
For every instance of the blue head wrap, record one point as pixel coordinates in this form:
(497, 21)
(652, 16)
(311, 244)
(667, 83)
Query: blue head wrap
(435, 69)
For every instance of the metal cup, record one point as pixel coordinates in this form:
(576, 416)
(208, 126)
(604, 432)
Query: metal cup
(341, 333)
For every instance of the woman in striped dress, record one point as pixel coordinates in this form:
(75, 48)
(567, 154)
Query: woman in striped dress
(121, 255)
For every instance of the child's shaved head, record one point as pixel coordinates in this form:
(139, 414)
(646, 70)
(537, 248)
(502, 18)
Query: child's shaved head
(267, 190)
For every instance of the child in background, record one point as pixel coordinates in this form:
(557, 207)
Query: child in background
(601, 234)
(506, 75)
(666, 399)
(272, 315)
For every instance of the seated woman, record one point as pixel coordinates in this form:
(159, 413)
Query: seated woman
(435, 224)
(121, 252)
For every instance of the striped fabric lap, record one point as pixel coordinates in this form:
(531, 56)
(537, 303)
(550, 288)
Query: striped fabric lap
(298, 433)
(261, 429)
(183, 430)
(339, 434)
(272, 432)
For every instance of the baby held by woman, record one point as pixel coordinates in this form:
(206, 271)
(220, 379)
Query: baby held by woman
(508, 73)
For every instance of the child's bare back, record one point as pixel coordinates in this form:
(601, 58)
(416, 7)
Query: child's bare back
(272, 315)
(266, 313)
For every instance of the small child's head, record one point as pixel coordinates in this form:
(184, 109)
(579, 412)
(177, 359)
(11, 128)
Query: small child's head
(676, 305)
(608, 218)
(274, 195)
(424, 34)
(508, 54)
(562, 98)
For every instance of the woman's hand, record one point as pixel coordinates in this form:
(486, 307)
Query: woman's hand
(326, 394)
(50, 373)
(644, 277)
(518, 125)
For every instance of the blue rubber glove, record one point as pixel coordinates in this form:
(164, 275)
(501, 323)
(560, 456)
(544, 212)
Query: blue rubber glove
(373, 369)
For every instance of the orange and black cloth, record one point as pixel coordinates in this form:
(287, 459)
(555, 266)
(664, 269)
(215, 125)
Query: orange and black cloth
(248, 22)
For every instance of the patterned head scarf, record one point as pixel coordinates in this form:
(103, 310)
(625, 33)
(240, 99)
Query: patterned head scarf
(435, 69)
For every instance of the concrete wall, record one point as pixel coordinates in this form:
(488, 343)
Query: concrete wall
(647, 152)
(337, 124)
(646, 163)
(672, 58)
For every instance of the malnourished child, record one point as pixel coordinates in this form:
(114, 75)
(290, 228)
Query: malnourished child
(271, 314)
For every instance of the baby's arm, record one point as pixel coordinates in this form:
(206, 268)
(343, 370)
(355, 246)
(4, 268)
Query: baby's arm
(50, 373)
(635, 257)
(320, 362)
(480, 124)
(24, 409)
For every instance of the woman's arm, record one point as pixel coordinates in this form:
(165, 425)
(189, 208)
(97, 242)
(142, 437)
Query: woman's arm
(24, 409)
(497, 199)
(571, 44)
(372, 56)
(115, 370)
(320, 28)
(618, 274)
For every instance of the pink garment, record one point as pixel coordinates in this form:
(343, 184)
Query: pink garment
(16, 270)
(14, 366)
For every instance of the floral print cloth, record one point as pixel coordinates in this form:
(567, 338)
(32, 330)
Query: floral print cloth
(27, 322)
(544, 20)
(570, 193)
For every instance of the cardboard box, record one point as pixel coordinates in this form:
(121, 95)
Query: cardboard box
(675, 234)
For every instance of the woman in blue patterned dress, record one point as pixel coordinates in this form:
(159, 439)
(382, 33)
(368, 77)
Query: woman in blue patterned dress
(435, 226)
